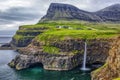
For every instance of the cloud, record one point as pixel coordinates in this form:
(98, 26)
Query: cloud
(17, 12)
(7, 4)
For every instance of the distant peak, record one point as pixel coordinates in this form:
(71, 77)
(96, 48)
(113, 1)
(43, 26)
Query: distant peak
(61, 11)
(59, 5)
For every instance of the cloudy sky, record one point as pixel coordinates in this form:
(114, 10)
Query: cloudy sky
(18, 12)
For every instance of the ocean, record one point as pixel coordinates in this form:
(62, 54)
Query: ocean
(6, 36)
(35, 73)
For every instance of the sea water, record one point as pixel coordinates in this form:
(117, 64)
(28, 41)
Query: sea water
(35, 73)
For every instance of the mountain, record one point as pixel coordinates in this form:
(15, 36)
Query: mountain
(58, 11)
(111, 13)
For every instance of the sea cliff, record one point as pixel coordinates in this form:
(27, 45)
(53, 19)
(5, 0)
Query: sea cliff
(57, 41)
(69, 56)
(111, 70)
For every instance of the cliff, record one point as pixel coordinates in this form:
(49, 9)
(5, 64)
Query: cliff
(61, 45)
(69, 55)
(26, 34)
(111, 70)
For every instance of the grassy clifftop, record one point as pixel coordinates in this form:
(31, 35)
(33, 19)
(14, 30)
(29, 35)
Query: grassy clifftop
(76, 34)
(62, 30)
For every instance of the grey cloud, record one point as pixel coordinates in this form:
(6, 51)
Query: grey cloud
(3, 21)
(14, 15)
(38, 9)
(18, 14)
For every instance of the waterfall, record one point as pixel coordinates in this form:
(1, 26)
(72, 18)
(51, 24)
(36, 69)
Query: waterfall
(85, 54)
(85, 58)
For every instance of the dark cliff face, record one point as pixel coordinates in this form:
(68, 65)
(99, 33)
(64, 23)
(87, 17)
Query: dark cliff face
(111, 13)
(111, 69)
(24, 36)
(59, 11)
(34, 53)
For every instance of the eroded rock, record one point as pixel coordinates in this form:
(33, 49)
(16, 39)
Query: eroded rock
(112, 68)
(97, 52)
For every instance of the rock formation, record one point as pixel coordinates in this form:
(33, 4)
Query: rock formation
(111, 13)
(70, 50)
(59, 11)
(24, 36)
(111, 69)
(71, 53)
(68, 12)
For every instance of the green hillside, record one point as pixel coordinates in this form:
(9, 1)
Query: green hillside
(64, 29)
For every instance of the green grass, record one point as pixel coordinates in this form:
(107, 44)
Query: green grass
(78, 30)
(22, 38)
(70, 29)
(75, 25)
(51, 25)
(29, 32)
(104, 26)
(59, 35)
(51, 49)
(54, 50)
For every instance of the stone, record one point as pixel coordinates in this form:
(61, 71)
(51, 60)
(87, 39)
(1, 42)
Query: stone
(67, 60)
(58, 11)
(112, 70)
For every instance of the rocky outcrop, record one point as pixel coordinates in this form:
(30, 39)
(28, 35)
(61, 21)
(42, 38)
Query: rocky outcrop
(50, 62)
(6, 46)
(111, 13)
(112, 68)
(58, 11)
(69, 57)
(24, 36)
(23, 42)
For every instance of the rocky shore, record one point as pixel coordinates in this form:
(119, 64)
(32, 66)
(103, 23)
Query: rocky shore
(6, 46)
